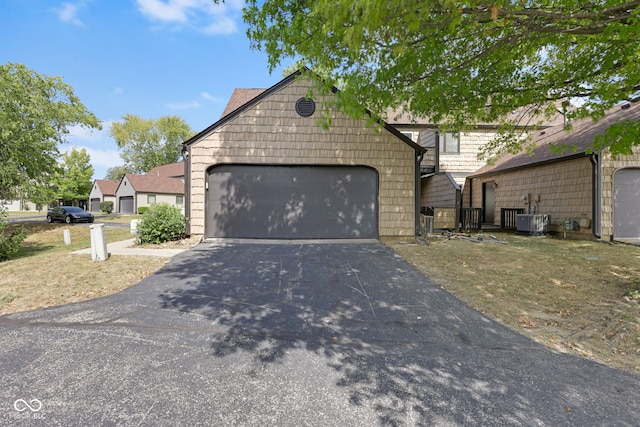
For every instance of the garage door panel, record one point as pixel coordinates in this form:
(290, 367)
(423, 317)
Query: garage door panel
(250, 201)
(126, 204)
(627, 203)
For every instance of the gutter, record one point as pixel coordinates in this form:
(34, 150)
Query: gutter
(418, 189)
(186, 155)
(596, 195)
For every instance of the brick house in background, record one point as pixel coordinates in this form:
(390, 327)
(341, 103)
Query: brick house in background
(584, 194)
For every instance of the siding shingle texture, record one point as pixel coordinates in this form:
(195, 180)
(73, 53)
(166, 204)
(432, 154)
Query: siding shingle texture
(271, 132)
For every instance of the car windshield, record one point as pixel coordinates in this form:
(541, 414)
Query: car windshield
(73, 210)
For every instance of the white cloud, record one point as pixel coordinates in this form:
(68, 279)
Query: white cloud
(68, 12)
(83, 134)
(184, 105)
(201, 15)
(209, 97)
(99, 144)
(117, 91)
(102, 159)
(220, 26)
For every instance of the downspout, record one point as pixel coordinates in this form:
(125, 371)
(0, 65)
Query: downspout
(186, 156)
(418, 190)
(596, 195)
(458, 207)
(437, 168)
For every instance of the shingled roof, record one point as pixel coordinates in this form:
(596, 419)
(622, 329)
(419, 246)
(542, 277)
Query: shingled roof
(154, 184)
(580, 138)
(239, 97)
(172, 170)
(107, 187)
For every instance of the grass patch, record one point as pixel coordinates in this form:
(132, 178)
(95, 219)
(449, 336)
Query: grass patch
(45, 273)
(572, 296)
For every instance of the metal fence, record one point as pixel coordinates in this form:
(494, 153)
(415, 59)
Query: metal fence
(508, 218)
(471, 218)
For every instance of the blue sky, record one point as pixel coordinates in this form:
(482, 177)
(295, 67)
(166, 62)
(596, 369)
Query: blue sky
(146, 57)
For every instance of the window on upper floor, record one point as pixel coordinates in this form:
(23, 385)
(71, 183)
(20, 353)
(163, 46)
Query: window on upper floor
(408, 135)
(449, 143)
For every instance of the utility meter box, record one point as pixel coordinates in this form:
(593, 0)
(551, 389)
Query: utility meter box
(98, 243)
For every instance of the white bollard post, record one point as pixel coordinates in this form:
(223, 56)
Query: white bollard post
(98, 243)
(134, 225)
(67, 236)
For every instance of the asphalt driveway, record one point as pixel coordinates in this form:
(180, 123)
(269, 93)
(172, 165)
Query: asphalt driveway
(291, 335)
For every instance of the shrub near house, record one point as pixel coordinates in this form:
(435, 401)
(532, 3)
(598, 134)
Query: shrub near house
(10, 237)
(161, 223)
(106, 207)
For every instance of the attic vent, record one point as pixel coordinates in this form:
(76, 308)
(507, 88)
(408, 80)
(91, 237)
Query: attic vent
(305, 107)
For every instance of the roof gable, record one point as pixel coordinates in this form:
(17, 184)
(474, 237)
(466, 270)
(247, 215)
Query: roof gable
(580, 138)
(260, 94)
(239, 97)
(107, 187)
(154, 184)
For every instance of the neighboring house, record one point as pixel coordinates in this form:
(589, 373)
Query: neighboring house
(583, 194)
(103, 190)
(172, 170)
(20, 205)
(267, 169)
(135, 191)
(450, 157)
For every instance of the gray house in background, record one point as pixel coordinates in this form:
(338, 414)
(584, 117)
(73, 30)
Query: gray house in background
(103, 190)
(135, 191)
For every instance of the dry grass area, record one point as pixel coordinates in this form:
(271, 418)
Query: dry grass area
(45, 273)
(580, 297)
(574, 296)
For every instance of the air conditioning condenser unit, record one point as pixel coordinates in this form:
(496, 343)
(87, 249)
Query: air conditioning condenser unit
(532, 224)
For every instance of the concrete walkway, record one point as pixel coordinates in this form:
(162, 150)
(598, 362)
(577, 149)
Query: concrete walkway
(127, 247)
(628, 240)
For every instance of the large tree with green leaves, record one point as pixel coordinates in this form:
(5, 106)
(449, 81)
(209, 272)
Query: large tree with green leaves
(74, 178)
(116, 173)
(145, 143)
(36, 112)
(463, 63)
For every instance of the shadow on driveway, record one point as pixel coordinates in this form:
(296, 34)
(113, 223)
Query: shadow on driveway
(403, 350)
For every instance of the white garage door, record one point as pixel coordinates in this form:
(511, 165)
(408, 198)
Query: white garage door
(626, 200)
(292, 202)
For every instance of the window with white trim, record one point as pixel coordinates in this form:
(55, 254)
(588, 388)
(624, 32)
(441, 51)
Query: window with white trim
(449, 143)
(151, 198)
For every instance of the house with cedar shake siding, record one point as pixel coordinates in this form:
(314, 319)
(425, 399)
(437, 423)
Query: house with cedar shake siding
(268, 169)
(592, 195)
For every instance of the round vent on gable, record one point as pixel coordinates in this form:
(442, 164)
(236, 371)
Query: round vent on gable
(305, 107)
